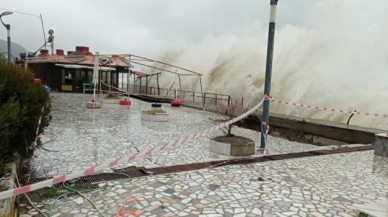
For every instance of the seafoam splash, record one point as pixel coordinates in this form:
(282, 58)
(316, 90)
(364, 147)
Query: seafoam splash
(339, 60)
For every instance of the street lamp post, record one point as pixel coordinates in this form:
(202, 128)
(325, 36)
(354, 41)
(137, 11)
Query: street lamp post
(268, 73)
(8, 27)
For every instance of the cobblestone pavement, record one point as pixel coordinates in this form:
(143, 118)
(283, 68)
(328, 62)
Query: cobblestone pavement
(330, 185)
(80, 137)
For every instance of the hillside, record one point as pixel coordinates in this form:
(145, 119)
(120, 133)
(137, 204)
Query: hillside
(16, 48)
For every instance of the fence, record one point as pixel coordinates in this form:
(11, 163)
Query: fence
(193, 98)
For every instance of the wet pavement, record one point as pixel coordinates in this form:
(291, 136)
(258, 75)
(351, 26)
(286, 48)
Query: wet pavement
(331, 185)
(80, 137)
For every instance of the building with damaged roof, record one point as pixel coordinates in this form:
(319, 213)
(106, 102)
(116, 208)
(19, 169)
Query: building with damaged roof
(74, 72)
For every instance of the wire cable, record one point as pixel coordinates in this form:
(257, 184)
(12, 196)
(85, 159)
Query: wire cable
(18, 12)
(28, 199)
(81, 193)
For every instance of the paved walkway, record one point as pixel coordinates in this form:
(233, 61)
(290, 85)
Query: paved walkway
(329, 185)
(82, 137)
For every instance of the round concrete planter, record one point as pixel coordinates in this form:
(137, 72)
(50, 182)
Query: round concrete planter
(93, 105)
(157, 117)
(242, 149)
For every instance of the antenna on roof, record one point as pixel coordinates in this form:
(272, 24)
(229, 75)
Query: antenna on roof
(44, 33)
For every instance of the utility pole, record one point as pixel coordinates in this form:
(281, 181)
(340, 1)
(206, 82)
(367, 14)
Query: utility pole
(8, 27)
(9, 43)
(268, 73)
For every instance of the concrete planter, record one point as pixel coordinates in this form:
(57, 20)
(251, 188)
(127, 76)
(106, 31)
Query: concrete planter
(381, 145)
(157, 117)
(93, 105)
(244, 149)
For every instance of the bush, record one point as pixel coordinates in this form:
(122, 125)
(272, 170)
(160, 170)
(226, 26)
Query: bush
(111, 96)
(51, 193)
(21, 101)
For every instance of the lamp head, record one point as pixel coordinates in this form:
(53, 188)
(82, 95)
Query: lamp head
(6, 13)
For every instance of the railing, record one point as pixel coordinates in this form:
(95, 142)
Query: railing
(188, 97)
(197, 99)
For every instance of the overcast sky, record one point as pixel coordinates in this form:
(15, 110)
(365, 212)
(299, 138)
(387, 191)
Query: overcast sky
(142, 26)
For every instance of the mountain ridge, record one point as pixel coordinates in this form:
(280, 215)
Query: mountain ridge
(16, 48)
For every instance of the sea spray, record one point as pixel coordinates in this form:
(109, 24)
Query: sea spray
(339, 60)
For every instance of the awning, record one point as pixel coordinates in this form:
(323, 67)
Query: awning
(140, 74)
(70, 66)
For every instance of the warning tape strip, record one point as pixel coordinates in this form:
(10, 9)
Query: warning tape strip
(121, 160)
(37, 128)
(343, 111)
(36, 140)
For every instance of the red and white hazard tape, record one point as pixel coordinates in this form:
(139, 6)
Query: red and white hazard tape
(37, 129)
(343, 111)
(137, 155)
(36, 141)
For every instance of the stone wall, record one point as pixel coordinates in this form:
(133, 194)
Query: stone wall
(381, 145)
(7, 206)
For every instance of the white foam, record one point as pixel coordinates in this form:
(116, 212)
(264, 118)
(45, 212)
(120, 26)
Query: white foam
(339, 60)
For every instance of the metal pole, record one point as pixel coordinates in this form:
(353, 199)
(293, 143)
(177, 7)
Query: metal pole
(44, 34)
(203, 97)
(268, 72)
(129, 89)
(110, 75)
(8, 27)
(141, 91)
(175, 87)
(180, 86)
(122, 81)
(134, 82)
(9, 43)
(52, 47)
(95, 75)
(146, 84)
(157, 81)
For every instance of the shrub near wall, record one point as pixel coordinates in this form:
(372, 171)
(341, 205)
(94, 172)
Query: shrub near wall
(21, 101)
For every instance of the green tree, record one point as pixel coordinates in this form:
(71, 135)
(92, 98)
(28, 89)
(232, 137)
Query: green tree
(21, 101)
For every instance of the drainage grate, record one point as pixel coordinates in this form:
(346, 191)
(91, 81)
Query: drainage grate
(141, 172)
